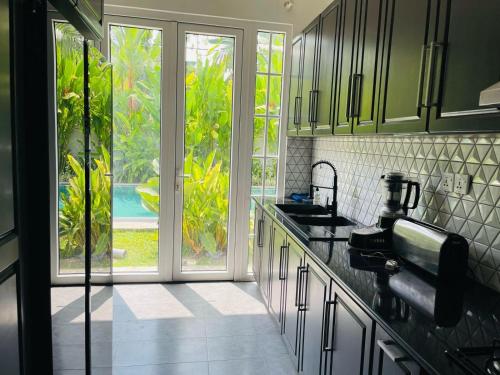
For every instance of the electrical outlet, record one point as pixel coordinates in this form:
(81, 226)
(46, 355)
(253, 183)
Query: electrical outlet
(462, 184)
(448, 183)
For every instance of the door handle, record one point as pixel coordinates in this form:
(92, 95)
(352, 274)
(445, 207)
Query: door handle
(281, 273)
(326, 325)
(299, 112)
(295, 111)
(303, 293)
(297, 284)
(309, 117)
(259, 233)
(355, 95)
(315, 106)
(395, 354)
(423, 57)
(430, 75)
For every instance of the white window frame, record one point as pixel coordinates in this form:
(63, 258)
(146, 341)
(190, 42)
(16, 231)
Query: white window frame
(170, 20)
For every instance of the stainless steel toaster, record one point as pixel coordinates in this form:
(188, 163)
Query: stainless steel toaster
(440, 253)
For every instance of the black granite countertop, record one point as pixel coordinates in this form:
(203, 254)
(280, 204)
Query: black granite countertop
(416, 333)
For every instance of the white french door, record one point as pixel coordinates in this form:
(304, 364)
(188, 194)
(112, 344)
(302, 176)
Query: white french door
(209, 73)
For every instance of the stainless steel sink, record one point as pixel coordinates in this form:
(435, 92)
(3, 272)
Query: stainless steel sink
(302, 209)
(325, 221)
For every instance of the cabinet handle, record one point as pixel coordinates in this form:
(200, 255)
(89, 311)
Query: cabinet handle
(259, 233)
(295, 111)
(299, 112)
(395, 354)
(356, 95)
(326, 325)
(423, 56)
(303, 293)
(315, 107)
(281, 274)
(298, 283)
(430, 77)
(349, 102)
(310, 114)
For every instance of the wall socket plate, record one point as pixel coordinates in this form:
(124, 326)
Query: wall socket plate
(448, 183)
(462, 184)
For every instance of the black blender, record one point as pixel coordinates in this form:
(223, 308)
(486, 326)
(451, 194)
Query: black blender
(378, 236)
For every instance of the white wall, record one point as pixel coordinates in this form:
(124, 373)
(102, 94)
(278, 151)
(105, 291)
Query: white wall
(299, 16)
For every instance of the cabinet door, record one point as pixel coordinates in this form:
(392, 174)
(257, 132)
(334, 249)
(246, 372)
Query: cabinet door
(390, 359)
(277, 272)
(327, 69)
(469, 40)
(294, 267)
(364, 84)
(313, 296)
(346, 62)
(9, 327)
(349, 332)
(408, 26)
(310, 36)
(257, 242)
(266, 256)
(294, 95)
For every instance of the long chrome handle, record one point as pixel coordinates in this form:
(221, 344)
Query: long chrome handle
(303, 290)
(281, 272)
(356, 94)
(395, 354)
(326, 327)
(430, 74)
(299, 112)
(259, 232)
(309, 115)
(298, 284)
(420, 89)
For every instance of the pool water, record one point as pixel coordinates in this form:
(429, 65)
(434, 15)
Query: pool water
(126, 202)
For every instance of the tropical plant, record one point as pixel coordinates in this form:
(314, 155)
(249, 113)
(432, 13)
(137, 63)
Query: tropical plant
(204, 225)
(72, 211)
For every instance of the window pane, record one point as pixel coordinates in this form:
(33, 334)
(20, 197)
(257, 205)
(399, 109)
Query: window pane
(277, 53)
(208, 83)
(259, 126)
(136, 58)
(273, 129)
(69, 96)
(263, 41)
(260, 94)
(274, 95)
(270, 178)
(257, 168)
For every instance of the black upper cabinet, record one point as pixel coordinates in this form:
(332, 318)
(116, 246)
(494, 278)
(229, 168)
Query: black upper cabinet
(307, 102)
(347, 66)
(364, 83)
(467, 59)
(409, 28)
(295, 81)
(324, 93)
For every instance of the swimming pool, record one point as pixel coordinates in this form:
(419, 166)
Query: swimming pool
(126, 202)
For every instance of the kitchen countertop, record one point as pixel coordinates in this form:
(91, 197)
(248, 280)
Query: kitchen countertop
(418, 334)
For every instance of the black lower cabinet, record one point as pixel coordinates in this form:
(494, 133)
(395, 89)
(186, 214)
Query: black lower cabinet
(348, 334)
(265, 262)
(313, 293)
(294, 269)
(277, 276)
(390, 359)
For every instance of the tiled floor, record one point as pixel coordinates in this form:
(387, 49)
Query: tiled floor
(169, 329)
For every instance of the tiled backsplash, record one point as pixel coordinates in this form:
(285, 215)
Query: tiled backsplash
(361, 161)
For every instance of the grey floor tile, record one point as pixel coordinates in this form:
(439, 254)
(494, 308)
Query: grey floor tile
(240, 347)
(195, 368)
(250, 366)
(159, 351)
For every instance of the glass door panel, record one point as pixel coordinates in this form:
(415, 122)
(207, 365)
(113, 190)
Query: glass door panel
(210, 60)
(136, 55)
(68, 45)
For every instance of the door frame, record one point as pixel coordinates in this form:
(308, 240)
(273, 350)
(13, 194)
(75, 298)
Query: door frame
(237, 34)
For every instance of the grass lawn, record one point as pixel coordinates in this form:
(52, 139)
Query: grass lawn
(141, 247)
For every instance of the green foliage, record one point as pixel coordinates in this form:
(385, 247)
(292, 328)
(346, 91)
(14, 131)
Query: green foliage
(72, 212)
(136, 57)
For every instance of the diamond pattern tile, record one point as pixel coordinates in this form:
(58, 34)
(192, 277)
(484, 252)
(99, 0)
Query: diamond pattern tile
(361, 161)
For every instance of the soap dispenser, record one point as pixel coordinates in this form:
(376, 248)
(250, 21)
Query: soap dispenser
(317, 197)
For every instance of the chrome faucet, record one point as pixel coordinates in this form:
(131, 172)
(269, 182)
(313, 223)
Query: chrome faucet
(333, 207)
